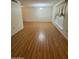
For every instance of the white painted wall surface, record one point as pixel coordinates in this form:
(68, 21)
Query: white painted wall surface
(64, 25)
(16, 18)
(37, 14)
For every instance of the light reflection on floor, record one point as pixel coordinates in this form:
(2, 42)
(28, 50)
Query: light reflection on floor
(41, 36)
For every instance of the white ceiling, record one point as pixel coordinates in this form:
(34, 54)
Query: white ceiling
(38, 3)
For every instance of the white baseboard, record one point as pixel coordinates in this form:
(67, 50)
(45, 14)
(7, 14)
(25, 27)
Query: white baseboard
(37, 20)
(25, 19)
(61, 31)
(13, 33)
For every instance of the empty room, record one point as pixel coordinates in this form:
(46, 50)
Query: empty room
(39, 29)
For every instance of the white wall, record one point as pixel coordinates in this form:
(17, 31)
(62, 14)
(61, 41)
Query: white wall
(66, 20)
(16, 18)
(55, 11)
(37, 14)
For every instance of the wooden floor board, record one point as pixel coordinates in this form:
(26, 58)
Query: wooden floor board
(39, 41)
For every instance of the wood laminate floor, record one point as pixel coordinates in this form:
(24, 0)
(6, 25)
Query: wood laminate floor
(39, 41)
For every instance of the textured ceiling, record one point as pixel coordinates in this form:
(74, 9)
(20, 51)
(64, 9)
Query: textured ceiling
(28, 3)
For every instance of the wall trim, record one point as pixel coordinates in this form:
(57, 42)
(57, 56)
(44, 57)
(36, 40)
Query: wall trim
(36, 20)
(61, 31)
